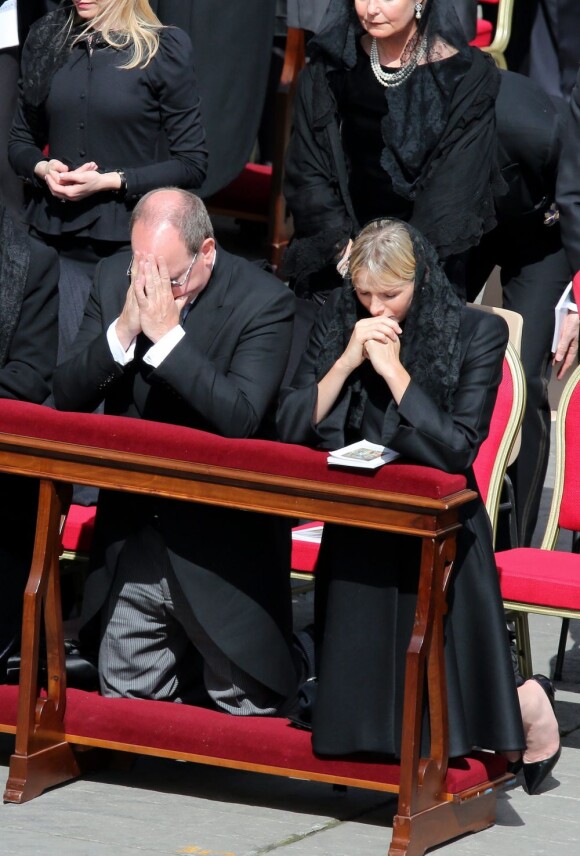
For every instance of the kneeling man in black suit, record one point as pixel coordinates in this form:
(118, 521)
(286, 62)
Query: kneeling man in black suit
(185, 598)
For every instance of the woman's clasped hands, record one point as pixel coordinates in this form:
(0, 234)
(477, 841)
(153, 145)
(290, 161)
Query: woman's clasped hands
(376, 339)
(72, 185)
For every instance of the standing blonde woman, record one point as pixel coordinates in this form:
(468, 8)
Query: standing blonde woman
(108, 110)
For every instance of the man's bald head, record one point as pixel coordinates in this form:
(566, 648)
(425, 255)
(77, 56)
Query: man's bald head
(178, 208)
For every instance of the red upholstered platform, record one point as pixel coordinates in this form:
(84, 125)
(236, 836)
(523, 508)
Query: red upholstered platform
(251, 740)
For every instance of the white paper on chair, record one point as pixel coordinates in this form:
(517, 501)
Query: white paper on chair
(8, 25)
(309, 534)
(362, 454)
(560, 312)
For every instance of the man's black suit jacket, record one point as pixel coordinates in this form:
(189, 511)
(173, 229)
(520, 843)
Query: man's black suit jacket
(27, 371)
(222, 377)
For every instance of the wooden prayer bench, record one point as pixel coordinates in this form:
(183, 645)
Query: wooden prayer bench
(438, 799)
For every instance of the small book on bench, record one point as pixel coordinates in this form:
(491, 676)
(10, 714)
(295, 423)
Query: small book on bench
(362, 454)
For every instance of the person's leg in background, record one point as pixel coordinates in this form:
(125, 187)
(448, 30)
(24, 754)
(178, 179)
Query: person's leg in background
(534, 273)
(18, 505)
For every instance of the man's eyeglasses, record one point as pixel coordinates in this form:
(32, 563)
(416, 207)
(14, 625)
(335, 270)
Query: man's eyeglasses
(174, 283)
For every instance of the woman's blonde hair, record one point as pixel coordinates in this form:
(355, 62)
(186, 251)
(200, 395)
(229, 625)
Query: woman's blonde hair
(124, 24)
(383, 248)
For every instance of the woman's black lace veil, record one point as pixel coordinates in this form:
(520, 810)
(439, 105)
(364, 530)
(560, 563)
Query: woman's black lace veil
(430, 345)
(340, 29)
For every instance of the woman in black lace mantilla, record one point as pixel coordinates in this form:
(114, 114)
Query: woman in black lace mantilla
(394, 117)
(395, 358)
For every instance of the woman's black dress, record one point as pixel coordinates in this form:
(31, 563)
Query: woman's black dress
(366, 581)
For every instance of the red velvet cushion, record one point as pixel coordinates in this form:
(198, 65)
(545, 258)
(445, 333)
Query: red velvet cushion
(176, 443)
(249, 192)
(483, 35)
(547, 577)
(257, 740)
(77, 535)
(569, 517)
(483, 464)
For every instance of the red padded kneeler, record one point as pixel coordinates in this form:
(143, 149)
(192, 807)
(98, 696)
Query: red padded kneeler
(252, 741)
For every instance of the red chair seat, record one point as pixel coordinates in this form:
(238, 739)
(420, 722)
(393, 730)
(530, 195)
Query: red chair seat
(484, 34)
(249, 192)
(305, 553)
(77, 535)
(252, 740)
(546, 577)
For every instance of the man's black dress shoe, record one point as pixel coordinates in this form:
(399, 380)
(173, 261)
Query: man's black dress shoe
(81, 673)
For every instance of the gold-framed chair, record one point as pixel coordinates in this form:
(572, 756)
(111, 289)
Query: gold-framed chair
(545, 580)
(494, 28)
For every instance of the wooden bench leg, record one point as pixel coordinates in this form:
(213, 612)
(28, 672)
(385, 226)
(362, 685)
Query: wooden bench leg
(427, 817)
(438, 824)
(42, 757)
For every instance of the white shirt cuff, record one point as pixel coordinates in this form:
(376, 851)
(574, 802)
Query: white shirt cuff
(158, 352)
(120, 355)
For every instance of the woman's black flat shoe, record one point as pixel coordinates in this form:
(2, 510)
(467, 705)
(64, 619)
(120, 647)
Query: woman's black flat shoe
(536, 771)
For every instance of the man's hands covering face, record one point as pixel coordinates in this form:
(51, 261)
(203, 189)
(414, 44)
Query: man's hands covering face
(150, 306)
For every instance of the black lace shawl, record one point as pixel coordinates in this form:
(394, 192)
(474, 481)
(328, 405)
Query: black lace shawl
(453, 186)
(430, 346)
(46, 50)
(14, 262)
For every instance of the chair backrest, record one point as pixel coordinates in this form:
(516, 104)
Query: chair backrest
(515, 324)
(494, 454)
(565, 506)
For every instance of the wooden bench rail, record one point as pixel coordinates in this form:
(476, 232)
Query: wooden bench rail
(436, 801)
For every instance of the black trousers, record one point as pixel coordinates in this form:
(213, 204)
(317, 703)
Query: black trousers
(534, 273)
(18, 505)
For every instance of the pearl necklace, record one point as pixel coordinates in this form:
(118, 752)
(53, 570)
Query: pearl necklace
(395, 78)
